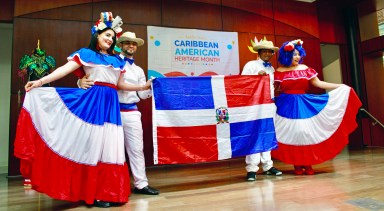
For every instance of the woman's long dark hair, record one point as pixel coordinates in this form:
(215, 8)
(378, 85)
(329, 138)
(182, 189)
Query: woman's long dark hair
(93, 44)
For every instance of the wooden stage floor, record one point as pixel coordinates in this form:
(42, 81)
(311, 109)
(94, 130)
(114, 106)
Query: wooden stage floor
(354, 180)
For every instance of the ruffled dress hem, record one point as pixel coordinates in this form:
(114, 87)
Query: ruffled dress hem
(327, 149)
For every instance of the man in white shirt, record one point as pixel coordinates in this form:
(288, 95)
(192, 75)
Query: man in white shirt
(130, 116)
(261, 66)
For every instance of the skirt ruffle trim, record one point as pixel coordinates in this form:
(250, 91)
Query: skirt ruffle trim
(326, 150)
(64, 179)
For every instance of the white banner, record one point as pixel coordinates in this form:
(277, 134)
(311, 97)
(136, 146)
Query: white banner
(191, 52)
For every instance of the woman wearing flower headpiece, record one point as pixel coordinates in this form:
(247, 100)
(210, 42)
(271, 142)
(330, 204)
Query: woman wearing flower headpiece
(70, 140)
(310, 128)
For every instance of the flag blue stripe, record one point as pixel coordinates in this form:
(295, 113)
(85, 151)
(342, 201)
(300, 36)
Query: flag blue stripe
(183, 93)
(252, 137)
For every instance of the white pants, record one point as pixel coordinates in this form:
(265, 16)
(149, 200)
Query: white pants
(133, 141)
(253, 161)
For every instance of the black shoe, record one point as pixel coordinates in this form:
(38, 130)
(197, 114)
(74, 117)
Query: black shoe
(273, 171)
(251, 176)
(101, 204)
(147, 190)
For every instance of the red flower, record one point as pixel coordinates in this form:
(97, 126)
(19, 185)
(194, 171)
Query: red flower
(289, 47)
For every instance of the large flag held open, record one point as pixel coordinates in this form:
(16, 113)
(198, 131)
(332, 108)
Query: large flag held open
(210, 118)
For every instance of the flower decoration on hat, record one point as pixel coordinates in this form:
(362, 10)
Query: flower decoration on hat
(253, 44)
(107, 21)
(291, 45)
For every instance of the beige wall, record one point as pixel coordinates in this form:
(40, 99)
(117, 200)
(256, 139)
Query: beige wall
(368, 18)
(6, 31)
(369, 27)
(330, 58)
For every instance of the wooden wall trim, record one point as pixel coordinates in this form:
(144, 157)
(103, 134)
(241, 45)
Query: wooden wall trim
(373, 45)
(299, 15)
(23, 7)
(6, 14)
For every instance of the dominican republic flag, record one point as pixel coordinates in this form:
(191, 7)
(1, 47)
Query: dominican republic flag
(210, 118)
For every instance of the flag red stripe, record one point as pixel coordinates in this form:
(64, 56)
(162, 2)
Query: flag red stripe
(247, 91)
(187, 144)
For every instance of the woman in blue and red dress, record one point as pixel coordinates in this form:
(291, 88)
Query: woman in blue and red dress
(70, 141)
(310, 128)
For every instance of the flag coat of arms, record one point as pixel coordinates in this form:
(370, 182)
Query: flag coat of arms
(210, 118)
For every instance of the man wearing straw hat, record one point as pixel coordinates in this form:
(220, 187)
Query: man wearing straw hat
(261, 66)
(130, 116)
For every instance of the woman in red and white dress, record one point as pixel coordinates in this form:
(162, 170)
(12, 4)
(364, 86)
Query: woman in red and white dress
(70, 141)
(310, 128)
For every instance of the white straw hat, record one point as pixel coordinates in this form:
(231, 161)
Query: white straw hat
(130, 36)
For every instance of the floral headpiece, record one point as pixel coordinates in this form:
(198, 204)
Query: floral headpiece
(107, 21)
(291, 45)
